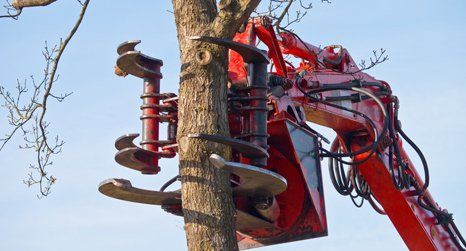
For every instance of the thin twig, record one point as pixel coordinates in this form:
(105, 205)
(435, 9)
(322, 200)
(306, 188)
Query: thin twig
(9, 9)
(55, 67)
(29, 118)
(284, 13)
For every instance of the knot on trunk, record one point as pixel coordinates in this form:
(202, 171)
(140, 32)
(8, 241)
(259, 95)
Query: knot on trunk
(203, 57)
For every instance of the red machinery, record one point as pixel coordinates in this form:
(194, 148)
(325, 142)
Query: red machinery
(275, 167)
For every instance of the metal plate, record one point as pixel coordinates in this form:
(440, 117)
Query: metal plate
(123, 190)
(246, 221)
(254, 181)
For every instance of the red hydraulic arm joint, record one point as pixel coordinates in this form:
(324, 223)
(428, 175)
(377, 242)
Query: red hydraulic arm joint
(292, 45)
(264, 30)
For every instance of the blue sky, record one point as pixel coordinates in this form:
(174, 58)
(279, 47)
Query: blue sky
(426, 45)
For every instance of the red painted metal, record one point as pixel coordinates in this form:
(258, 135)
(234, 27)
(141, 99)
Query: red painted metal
(416, 225)
(150, 117)
(264, 30)
(237, 72)
(299, 212)
(302, 210)
(292, 45)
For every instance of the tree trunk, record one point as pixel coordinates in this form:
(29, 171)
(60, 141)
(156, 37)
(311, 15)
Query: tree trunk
(208, 208)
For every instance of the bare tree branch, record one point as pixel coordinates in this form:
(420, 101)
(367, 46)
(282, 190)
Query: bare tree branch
(283, 13)
(28, 116)
(19, 4)
(378, 57)
(56, 60)
(11, 11)
(16, 8)
(232, 14)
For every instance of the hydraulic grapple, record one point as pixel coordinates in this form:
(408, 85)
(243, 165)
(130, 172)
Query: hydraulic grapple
(275, 165)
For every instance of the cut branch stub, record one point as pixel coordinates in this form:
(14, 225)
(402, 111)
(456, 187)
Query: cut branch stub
(204, 57)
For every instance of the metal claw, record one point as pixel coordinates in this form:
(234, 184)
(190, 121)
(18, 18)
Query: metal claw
(135, 63)
(123, 190)
(139, 65)
(126, 141)
(249, 53)
(127, 46)
(245, 148)
(138, 159)
(254, 181)
(246, 221)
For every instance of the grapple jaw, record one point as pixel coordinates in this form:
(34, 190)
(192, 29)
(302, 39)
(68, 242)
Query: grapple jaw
(156, 108)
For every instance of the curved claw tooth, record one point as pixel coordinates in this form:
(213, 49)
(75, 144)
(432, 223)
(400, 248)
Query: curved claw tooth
(254, 181)
(139, 65)
(123, 190)
(138, 159)
(126, 141)
(245, 148)
(217, 161)
(250, 54)
(127, 46)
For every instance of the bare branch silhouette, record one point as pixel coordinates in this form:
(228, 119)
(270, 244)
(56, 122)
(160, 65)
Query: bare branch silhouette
(283, 13)
(15, 8)
(19, 4)
(378, 57)
(11, 11)
(27, 114)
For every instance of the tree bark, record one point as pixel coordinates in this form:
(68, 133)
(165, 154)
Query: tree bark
(19, 4)
(208, 208)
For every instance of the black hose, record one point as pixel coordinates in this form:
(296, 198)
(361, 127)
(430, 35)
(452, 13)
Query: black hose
(375, 206)
(458, 234)
(340, 183)
(420, 154)
(352, 182)
(357, 83)
(356, 97)
(335, 87)
(169, 182)
(374, 145)
(395, 150)
(353, 199)
(443, 217)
